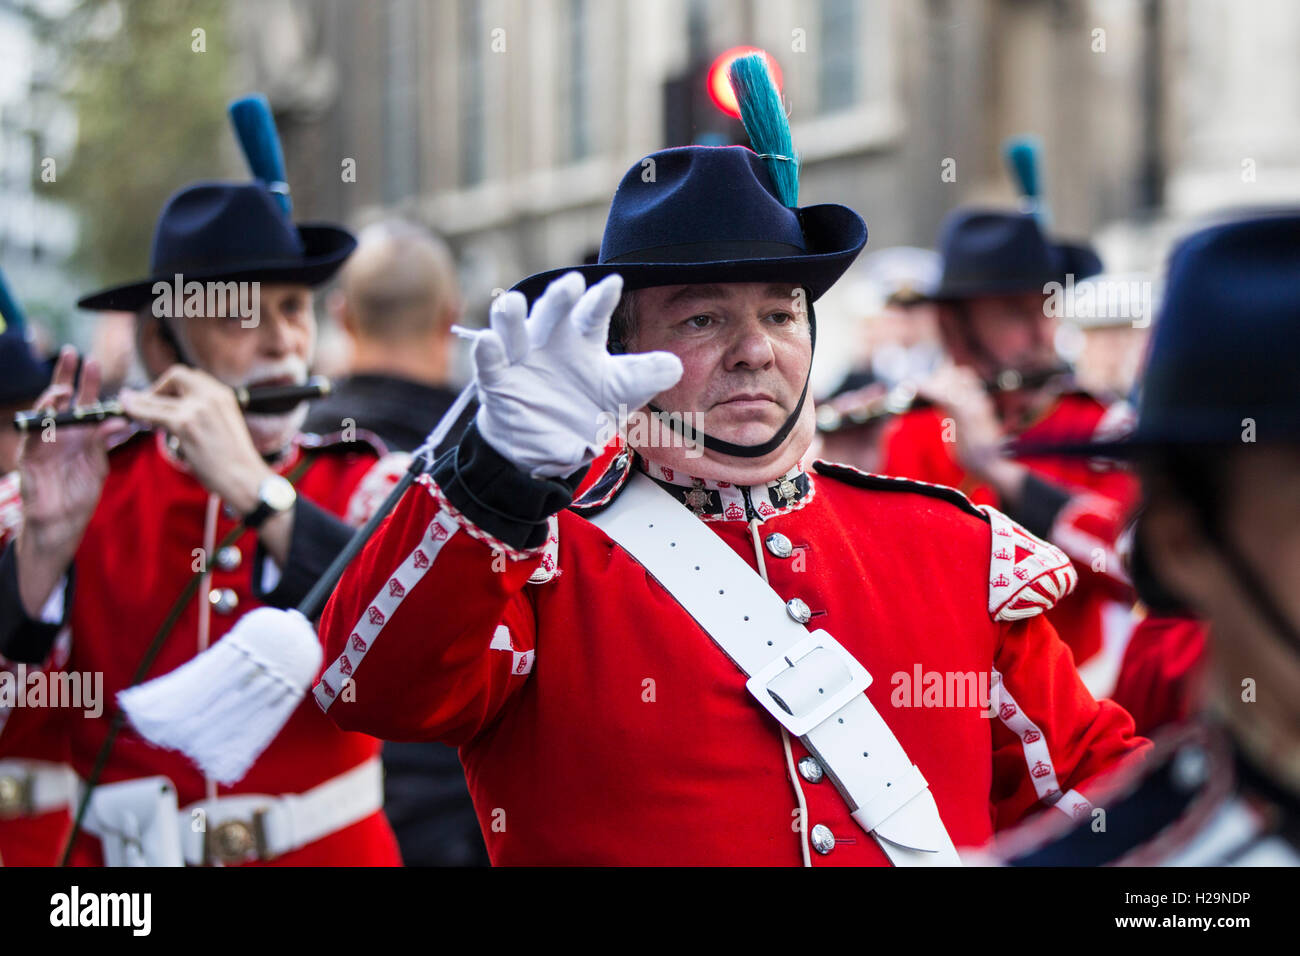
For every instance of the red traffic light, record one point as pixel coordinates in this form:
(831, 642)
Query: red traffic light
(720, 91)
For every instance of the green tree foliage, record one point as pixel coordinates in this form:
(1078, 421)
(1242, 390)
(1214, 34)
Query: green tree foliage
(150, 112)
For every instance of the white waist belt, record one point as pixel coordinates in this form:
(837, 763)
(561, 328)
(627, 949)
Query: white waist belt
(807, 681)
(243, 827)
(28, 787)
(139, 824)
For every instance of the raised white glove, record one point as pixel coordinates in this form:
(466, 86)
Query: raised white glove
(547, 387)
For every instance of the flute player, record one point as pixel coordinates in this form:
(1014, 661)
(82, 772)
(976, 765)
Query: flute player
(119, 518)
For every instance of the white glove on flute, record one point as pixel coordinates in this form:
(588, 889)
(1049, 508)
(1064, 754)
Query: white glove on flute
(547, 387)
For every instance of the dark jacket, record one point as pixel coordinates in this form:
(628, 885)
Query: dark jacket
(401, 412)
(425, 795)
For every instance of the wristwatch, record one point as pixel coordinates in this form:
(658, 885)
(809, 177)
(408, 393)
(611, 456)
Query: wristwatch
(274, 495)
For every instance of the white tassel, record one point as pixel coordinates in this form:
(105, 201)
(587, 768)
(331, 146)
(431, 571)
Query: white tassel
(223, 708)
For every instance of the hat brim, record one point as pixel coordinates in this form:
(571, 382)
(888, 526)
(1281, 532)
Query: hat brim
(971, 290)
(1069, 258)
(1138, 444)
(1120, 449)
(834, 235)
(324, 250)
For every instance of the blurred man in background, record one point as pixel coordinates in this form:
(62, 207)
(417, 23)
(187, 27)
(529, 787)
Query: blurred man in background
(120, 519)
(36, 784)
(902, 334)
(397, 300)
(1103, 332)
(1220, 466)
(902, 347)
(1004, 380)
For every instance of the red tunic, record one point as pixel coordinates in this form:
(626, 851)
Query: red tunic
(599, 725)
(31, 733)
(1164, 664)
(1085, 528)
(136, 556)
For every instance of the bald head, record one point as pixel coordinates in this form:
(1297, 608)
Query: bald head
(400, 282)
(398, 299)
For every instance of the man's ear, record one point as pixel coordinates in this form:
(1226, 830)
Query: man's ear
(157, 353)
(338, 309)
(1177, 551)
(950, 333)
(449, 314)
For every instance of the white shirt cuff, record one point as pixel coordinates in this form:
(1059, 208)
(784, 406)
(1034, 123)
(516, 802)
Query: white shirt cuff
(52, 612)
(270, 575)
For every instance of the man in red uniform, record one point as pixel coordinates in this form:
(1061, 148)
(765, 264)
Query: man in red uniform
(1219, 462)
(117, 523)
(598, 720)
(998, 316)
(36, 785)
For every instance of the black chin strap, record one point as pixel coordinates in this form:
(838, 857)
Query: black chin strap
(690, 433)
(1032, 379)
(1244, 575)
(961, 316)
(1249, 581)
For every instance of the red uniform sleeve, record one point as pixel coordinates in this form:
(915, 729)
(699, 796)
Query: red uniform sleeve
(1078, 505)
(1088, 526)
(1164, 664)
(912, 446)
(429, 632)
(1085, 504)
(1052, 740)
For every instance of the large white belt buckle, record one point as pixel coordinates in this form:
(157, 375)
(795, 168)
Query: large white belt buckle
(809, 683)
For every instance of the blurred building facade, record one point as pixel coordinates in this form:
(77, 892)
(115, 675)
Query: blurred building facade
(506, 124)
(37, 234)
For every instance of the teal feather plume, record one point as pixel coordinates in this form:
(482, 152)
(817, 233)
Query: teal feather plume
(765, 121)
(1023, 155)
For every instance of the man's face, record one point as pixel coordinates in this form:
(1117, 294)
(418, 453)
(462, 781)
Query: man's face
(1012, 330)
(277, 350)
(284, 335)
(905, 325)
(745, 348)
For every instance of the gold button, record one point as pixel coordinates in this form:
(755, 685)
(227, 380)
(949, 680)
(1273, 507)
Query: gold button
(228, 558)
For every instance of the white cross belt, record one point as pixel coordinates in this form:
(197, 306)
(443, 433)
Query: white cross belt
(807, 681)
